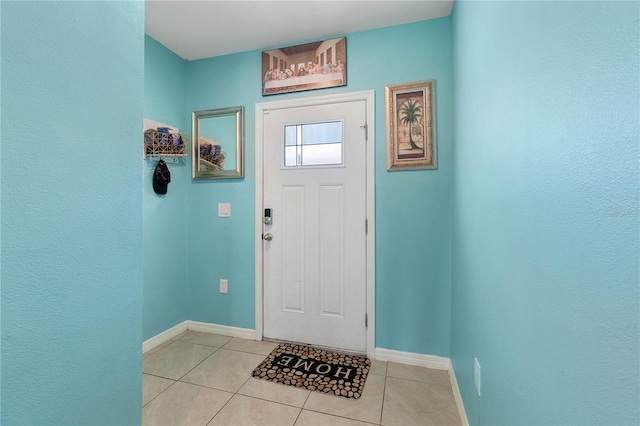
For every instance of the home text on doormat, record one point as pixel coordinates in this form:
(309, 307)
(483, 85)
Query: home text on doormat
(319, 370)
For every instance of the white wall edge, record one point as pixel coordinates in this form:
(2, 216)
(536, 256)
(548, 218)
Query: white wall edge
(159, 339)
(223, 330)
(205, 327)
(259, 297)
(457, 395)
(370, 99)
(410, 358)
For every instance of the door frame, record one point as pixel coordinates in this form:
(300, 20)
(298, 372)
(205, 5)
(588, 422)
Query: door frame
(368, 96)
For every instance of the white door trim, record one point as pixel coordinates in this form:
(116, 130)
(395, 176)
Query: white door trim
(369, 97)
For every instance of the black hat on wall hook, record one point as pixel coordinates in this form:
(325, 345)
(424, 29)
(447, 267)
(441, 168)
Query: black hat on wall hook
(161, 178)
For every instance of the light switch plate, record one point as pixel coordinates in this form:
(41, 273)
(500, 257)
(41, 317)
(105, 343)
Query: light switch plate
(224, 210)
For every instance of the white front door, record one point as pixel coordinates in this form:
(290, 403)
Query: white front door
(314, 251)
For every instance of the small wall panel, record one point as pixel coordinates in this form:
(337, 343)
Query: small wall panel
(293, 248)
(331, 250)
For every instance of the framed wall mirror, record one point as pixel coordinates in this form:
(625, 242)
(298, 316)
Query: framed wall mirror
(218, 143)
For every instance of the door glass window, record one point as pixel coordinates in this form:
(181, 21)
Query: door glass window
(316, 144)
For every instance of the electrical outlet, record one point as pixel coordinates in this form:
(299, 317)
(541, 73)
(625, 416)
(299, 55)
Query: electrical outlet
(476, 376)
(224, 286)
(224, 210)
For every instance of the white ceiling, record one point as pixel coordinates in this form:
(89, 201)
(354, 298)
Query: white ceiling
(203, 29)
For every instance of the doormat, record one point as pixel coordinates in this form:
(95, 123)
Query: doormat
(318, 370)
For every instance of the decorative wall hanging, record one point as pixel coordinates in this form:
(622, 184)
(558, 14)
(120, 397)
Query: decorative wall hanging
(411, 142)
(309, 66)
(218, 143)
(162, 141)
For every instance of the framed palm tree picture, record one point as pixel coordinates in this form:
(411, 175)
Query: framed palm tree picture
(411, 142)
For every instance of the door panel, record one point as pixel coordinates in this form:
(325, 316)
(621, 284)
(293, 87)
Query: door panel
(331, 250)
(293, 249)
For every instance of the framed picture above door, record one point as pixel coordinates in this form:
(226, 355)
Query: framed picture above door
(317, 65)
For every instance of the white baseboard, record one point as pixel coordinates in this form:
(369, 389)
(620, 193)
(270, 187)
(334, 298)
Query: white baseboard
(410, 358)
(169, 334)
(224, 330)
(205, 327)
(457, 396)
(428, 361)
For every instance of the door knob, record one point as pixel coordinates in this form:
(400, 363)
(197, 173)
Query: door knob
(267, 237)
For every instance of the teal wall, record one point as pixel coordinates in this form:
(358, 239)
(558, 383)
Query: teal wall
(165, 216)
(72, 103)
(546, 211)
(223, 247)
(413, 208)
(545, 243)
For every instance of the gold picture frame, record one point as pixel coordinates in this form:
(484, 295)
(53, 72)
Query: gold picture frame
(410, 111)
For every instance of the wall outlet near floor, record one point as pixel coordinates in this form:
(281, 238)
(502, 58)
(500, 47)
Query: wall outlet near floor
(476, 375)
(224, 286)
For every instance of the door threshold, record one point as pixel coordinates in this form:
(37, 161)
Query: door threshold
(312, 345)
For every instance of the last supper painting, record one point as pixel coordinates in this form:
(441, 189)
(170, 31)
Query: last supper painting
(309, 66)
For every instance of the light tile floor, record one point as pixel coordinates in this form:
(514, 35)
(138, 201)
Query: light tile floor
(205, 379)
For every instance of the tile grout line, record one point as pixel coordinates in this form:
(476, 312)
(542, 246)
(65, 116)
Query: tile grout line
(417, 381)
(155, 350)
(237, 392)
(195, 366)
(303, 404)
(205, 386)
(307, 399)
(340, 416)
(152, 399)
(160, 377)
(225, 404)
(268, 400)
(203, 344)
(277, 402)
(180, 379)
(384, 391)
(297, 417)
